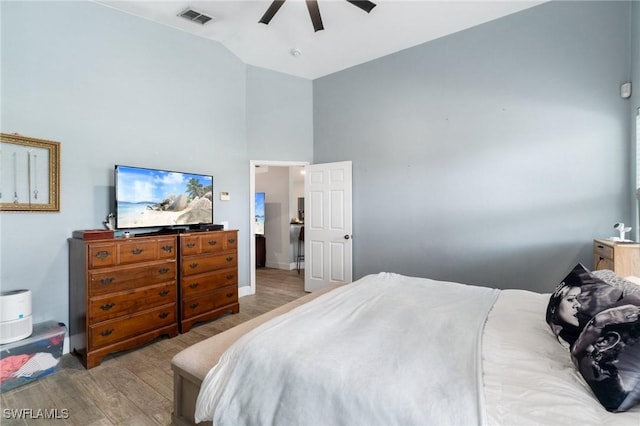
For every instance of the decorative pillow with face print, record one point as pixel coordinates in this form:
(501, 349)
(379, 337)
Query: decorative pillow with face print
(607, 354)
(578, 297)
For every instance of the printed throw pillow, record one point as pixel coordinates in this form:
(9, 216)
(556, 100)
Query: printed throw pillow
(615, 280)
(579, 297)
(607, 354)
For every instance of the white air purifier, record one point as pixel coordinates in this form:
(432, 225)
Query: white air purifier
(15, 315)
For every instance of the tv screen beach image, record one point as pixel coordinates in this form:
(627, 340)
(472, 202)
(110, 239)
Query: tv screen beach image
(158, 198)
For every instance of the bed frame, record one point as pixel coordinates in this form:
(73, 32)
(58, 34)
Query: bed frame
(191, 365)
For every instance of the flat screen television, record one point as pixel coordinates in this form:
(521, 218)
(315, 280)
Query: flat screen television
(153, 198)
(260, 213)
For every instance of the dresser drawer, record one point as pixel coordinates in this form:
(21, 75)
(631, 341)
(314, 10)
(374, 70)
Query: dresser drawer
(194, 265)
(602, 250)
(193, 244)
(101, 255)
(105, 281)
(133, 251)
(108, 332)
(207, 302)
(189, 245)
(197, 284)
(167, 248)
(212, 243)
(128, 302)
(231, 242)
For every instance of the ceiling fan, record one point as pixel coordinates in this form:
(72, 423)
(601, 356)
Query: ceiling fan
(314, 11)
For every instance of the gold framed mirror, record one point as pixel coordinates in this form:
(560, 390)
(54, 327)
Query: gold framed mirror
(29, 174)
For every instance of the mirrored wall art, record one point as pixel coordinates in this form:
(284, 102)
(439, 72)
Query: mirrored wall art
(29, 174)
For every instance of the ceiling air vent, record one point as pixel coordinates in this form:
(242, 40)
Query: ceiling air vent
(195, 16)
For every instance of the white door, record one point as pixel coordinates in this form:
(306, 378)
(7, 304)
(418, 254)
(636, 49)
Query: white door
(327, 225)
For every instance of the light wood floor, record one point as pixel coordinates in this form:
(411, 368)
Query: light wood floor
(136, 387)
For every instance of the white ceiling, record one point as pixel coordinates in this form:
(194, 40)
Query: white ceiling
(351, 36)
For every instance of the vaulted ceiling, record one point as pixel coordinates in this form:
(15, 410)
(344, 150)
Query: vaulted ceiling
(350, 37)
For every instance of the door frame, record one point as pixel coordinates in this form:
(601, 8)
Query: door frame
(252, 215)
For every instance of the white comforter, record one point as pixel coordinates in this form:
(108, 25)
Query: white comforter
(403, 351)
(328, 368)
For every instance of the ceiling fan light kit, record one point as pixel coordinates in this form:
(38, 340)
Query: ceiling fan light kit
(314, 11)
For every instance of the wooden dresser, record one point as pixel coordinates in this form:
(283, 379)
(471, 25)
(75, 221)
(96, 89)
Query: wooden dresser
(208, 276)
(621, 258)
(122, 293)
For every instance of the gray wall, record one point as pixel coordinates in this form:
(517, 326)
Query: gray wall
(280, 116)
(116, 89)
(492, 156)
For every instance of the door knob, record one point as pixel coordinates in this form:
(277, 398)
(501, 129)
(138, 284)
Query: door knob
(346, 237)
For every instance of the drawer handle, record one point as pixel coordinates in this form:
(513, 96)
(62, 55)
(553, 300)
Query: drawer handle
(230, 294)
(212, 242)
(191, 245)
(163, 293)
(600, 247)
(163, 315)
(230, 276)
(231, 240)
(194, 285)
(168, 249)
(193, 305)
(102, 254)
(137, 251)
(163, 271)
(106, 332)
(107, 306)
(193, 265)
(229, 258)
(106, 280)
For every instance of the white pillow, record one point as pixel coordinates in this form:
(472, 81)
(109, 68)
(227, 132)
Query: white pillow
(631, 278)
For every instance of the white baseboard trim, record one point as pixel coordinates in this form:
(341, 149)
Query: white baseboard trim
(280, 265)
(244, 291)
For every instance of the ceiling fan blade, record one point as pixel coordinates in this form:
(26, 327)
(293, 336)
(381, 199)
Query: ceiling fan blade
(314, 13)
(364, 5)
(271, 11)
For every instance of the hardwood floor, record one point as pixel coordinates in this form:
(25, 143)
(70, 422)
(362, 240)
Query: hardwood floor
(134, 387)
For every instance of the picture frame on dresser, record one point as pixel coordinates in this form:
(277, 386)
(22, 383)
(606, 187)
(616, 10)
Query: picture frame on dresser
(30, 173)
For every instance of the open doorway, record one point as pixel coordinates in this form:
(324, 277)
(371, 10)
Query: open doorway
(285, 182)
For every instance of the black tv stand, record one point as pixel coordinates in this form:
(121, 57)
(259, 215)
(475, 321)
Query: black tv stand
(164, 231)
(208, 227)
(180, 230)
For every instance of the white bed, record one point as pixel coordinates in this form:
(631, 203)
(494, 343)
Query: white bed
(389, 349)
(529, 378)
